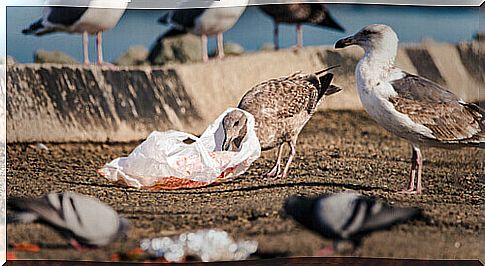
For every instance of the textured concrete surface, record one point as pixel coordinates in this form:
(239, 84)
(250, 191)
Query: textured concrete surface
(59, 103)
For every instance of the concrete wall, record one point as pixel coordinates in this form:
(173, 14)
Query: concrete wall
(59, 103)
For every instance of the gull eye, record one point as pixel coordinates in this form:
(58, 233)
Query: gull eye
(236, 123)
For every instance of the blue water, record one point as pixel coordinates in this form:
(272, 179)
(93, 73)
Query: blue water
(139, 27)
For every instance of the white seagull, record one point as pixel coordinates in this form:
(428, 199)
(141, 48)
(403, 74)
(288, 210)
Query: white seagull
(204, 22)
(87, 17)
(412, 107)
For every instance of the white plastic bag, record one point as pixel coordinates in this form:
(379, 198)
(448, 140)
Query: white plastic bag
(164, 161)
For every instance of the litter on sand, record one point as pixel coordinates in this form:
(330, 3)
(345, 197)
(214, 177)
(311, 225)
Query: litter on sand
(206, 245)
(165, 160)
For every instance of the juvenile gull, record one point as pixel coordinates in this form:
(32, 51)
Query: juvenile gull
(204, 22)
(235, 129)
(346, 216)
(86, 20)
(410, 106)
(300, 13)
(282, 107)
(83, 220)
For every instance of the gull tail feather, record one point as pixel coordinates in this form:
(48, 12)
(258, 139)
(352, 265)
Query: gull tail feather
(325, 86)
(37, 28)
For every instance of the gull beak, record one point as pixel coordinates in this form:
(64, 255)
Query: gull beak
(226, 144)
(345, 42)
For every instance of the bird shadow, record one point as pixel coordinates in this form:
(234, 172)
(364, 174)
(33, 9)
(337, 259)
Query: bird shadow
(204, 190)
(279, 185)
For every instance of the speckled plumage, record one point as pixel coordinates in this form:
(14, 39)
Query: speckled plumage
(283, 106)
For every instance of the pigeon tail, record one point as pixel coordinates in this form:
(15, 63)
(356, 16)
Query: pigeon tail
(23, 217)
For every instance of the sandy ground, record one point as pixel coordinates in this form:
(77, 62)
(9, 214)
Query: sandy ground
(338, 150)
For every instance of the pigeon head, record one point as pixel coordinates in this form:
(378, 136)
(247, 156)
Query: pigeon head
(372, 37)
(235, 129)
(300, 208)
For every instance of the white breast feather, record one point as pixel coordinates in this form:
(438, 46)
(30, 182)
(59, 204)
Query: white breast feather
(374, 92)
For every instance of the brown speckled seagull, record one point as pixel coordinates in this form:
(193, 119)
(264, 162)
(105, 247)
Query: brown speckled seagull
(282, 107)
(410, 106)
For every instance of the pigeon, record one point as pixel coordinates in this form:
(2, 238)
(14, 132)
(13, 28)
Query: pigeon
(282, 107)
(300, 13)
(346, 216)
(85, 19)
(409, 106)
(83, 220)
(203, 22)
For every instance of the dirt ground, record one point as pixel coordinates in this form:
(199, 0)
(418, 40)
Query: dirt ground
(337, 151)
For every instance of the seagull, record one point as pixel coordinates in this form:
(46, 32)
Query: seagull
(204, 22)
(346, 216)
(90, 17)
(412, 107)
(235, 129)
(83, 220)
(281, 108)
(300, 13)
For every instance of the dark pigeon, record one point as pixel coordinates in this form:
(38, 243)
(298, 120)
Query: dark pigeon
(85, 221)
(346, 216)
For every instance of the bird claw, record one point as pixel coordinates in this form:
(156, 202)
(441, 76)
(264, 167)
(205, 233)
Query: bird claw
(272, 175)
(411, 191)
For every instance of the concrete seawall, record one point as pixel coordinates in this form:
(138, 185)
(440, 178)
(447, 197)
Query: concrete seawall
(61, 103)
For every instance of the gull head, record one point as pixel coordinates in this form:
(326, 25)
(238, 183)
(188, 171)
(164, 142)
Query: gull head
(374, 37)
(235, 129)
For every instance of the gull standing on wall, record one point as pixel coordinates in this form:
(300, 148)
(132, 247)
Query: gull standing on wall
(84, 16)
(299, 13)
(412, 107)
(205, 22)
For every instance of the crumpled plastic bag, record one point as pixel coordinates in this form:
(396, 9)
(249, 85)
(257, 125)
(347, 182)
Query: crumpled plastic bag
(165, 161)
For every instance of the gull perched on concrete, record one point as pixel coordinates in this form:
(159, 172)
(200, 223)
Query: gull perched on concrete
(410, 106)
(300, 13)
(346, 216)
(204, 22)
(86, 17)
(281, 108)
(83, 220)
